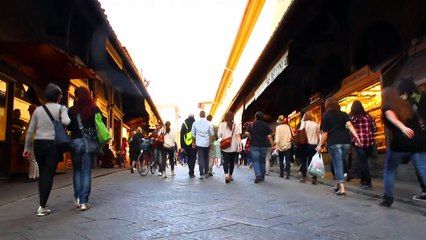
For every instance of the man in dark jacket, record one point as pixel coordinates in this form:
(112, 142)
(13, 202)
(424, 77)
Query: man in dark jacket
(186, 143)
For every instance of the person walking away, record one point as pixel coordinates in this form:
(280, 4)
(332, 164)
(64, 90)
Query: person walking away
(211, 148)
(308, 150)
(82, 113)
(135, 141)
(261, 140)
(33, 171)
(169, 147)
(229, 129)
(159, 153)
(202, 133)
(283, 138)
(186, 141)
(417, 100)
(334, 127)
(406, 140)
(43, 147)
(365, 127)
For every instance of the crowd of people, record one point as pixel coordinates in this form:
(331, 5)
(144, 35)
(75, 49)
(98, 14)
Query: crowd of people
(403, 113)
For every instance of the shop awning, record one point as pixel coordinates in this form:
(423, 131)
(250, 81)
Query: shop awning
(42, 60)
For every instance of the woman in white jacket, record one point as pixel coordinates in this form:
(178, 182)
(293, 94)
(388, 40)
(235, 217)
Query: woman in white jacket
(229, 129)
(45, 151)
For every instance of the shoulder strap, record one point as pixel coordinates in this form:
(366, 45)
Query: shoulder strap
(48, 113)
(80, 125)
(184, 123)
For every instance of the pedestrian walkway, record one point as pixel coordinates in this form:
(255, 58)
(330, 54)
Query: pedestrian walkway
(11, 191)
(403, 191)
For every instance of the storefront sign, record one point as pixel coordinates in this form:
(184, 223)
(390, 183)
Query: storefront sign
(272, 75)
(356, 76)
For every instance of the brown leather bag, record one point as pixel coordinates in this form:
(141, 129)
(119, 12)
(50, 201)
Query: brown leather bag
(301, 137)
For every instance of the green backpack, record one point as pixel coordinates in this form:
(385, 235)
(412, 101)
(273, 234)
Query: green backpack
(188, 136)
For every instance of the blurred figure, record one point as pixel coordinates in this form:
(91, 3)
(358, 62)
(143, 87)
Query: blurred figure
(212, 148)
(159, 153)
(407, 140)
(33, 172)
(18, 125)
(122, 153)
(334, 127)
(229, 129)
(365, 127)
(134, 147)
(46, 153)
(417, 100)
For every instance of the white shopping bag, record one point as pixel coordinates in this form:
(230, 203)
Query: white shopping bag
(316, 167)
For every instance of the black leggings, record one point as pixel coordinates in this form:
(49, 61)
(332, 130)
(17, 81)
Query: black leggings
(171, 153)
(228, 162)
(47, 157)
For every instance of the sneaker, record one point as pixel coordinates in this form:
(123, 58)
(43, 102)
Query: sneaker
(160, 174)
(191, 176)
(201, 176)
(210, 174)
(173, 173)
(366, 187)
(42, 211)
(421, 197)
(77, 202)
(164, 176)
(84, 206)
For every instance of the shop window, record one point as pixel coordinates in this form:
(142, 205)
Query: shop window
(20, 114)
(3, 111)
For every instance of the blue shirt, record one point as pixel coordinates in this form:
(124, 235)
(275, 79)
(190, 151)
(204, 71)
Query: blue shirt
(202, 130)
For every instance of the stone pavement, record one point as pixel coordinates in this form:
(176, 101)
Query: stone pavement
(128, 206)
(404, 191)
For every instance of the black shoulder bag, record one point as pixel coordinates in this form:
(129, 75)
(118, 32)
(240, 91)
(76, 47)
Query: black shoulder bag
(62, 139)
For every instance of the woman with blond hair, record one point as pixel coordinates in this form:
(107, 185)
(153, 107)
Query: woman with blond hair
(283, 138)
(334, 126)
(229, 129)
(308, 149)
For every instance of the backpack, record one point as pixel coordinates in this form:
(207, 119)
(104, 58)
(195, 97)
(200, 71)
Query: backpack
(188, 136)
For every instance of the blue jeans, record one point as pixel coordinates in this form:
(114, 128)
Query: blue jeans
(393, 159)
(82, 170)
(160, 159)
(258, 158)
(339, 153)
(203, 160)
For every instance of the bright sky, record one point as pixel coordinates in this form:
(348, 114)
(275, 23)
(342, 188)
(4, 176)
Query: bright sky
(182, 46)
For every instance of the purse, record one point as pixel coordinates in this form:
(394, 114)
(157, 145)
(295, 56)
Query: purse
(226, 143)
(62, 139)
(90, 138)
(101, 130)
(301, 137)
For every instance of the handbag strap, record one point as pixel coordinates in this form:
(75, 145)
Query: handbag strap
(48, 113)
(233, 127)
(80, 125)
